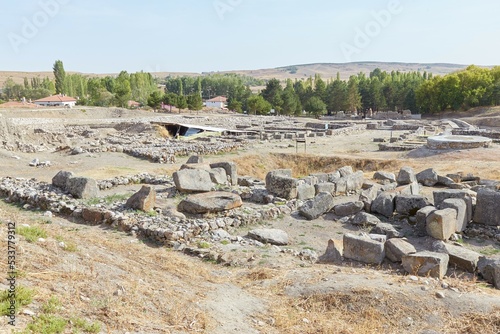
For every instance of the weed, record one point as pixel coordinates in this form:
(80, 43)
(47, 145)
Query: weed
(47, 324)
(225, 242)
(82, 324)
(204, 245)
(31, 233)
(310, 248)
(23, 297)
(318, 226)
(489, 251)
(108, 199)
(51, 306)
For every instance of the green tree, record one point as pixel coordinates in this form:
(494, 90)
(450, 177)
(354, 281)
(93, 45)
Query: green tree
(353, 95)
(170, 99)
(155, 99)
(60, 76)
(315, 106)
(194, 102)
(181, 103)
(272, 94)
(122, 89)
(291, 101)
(258, 105)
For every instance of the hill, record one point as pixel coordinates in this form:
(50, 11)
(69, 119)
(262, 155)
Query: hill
(326, 70)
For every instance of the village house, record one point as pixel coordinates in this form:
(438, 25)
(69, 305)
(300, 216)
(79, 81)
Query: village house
(56, 101)
(218, 102)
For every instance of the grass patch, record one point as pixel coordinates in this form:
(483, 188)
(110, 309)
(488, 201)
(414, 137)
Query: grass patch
(31, 233)
(108, 199)
(225, 242)
(80, 324)
(47, 324)
(23, 297)
(51, 306)
(490, 251)
(204, 245)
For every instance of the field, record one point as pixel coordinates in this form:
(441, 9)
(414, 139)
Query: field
(99, 279)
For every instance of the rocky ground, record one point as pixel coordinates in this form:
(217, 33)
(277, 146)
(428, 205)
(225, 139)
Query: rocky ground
(255, 287)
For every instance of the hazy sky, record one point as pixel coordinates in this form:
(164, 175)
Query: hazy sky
(215, 35)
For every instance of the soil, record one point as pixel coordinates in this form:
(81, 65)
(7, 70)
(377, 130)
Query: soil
(130, 285)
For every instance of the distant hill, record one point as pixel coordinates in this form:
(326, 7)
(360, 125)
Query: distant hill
(326, 70)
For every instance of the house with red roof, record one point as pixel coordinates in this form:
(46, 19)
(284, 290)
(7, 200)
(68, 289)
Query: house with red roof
(56, 101)
(218, 102)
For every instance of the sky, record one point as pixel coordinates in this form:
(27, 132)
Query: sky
(218, 35)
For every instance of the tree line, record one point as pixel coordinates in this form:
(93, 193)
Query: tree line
(378, 91)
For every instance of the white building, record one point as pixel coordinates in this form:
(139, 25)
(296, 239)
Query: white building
(218, 102)
(56, 101)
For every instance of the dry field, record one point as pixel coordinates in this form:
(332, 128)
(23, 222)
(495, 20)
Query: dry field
(101, 280)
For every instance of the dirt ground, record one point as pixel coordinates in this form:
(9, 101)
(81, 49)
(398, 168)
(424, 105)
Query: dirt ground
(130, 285)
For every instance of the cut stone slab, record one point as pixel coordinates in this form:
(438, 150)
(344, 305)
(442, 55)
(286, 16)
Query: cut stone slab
(218, 175)
(445, 181)
(82, 187)
(363, 249)
(269, 236)
(384, 204)
(396, 248)
(410, 204)
(345, 171)
(215, 201)
(441, 195)
(426, 264)
(334, 252)
(490, 270)
(421, 218)
(461, 207)
(460, 257)
(143, 200)
(321, 177)
(314, 208)
(280, 183)
(231, 170)
(348, 209)
(412, 188)
(406, 176)
(385, 177)
(305, 191)
(441, 224)
(364, 219)
(368, 195)
(427, 177)
(249, 181)
(487, 207)
(195, 159)
(325, 187)
(192, 180)
(60, 180)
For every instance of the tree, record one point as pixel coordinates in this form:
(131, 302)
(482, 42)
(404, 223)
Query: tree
(194, 102)
(258, 105)
(353, 96)
(337, 95)
(315, 106)
(291, 101)
(60, 76)
(272, 94)
(122, 90)
(170, 99)
(181, 103)
(155, 99)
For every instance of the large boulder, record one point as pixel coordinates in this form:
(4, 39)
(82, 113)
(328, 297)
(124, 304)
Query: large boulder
(406, 175)
(60, 180)
(363, 249)
(348, 209)
(195, 159)
(345, 171)
(364, 219)
(231, 170)
(215, 201)
(143, 200)
(427, 177)
(367, 196)
(325, 187)
(410, 204)
(192, 180)
(461, 207)
(313, 208)
(218, 175)
(280, 183)
(426, 264)
(396, 248)
(386, 229)
(384, 204)
(385, 177)
(487, 207)
(490, 270)
(269, 236)
(460, 257)
(82, 187)
(441, 224)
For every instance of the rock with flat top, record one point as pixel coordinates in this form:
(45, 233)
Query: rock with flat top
(426, 264)
(269, 236)
(215, 201)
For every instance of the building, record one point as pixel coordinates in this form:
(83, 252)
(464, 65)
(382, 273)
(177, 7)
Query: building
(56, 101)
(218, 102)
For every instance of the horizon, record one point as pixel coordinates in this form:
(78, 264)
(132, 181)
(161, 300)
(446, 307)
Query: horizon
(236, 35)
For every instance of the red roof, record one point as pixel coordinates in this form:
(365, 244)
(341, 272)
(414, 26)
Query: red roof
(57, 98)
(218, 99)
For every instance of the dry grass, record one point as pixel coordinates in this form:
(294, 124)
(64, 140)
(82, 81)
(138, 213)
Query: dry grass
(303, 164)
(161, 131)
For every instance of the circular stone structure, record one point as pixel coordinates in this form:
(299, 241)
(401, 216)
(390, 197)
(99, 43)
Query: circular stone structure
(447, 142)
